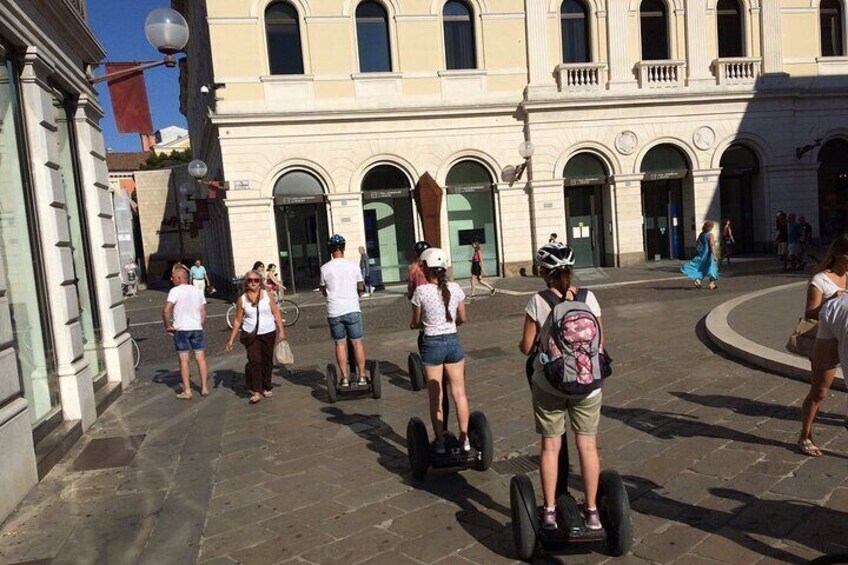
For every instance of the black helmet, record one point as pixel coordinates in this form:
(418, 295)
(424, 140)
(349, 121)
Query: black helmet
(336, 241)
(421, 246)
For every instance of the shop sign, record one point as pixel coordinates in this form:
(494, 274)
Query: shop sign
(665, 175)
(385, 193)
(303, 199)
(468, 189)
(585, 181)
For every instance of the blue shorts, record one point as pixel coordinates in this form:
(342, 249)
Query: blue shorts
(440, 349)
(346, 327)
(185, 341)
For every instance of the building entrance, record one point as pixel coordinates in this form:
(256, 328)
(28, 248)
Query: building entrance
(664, 167)
(585, 177)
(833, 189)
(739, 169)
(471, 217)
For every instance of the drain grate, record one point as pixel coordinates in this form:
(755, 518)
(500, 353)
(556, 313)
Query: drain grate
(516, 465)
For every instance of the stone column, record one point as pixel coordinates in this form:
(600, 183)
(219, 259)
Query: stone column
(629, 239)
(548, 204)
(540, 70)
(771, 38)
(253, 231)
(618, 44)
(346, 219)
(74, 374)
(698, 59)
(514, 227)
(704, 203)
(117, 348)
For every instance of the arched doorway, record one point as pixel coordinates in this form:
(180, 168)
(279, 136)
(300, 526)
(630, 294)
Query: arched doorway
(302, 232)
(833, 189)
(739, 170)
(389, 224)
(471, 216)
(585, 176)
(664, 167)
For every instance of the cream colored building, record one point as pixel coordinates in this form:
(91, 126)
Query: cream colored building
(647, 118)
(64, 348)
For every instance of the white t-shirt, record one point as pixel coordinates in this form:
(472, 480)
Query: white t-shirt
(267, 324)
(340, 277)
(833, 324)
(429, 298)
(825, 284)
(188, 301)
(539, 311)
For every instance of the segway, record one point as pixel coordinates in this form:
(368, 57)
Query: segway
(423, 456)
(416, 371)
(613, 507)
(374, 385)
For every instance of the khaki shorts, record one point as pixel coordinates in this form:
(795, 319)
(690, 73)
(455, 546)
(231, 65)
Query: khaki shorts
(550, 411)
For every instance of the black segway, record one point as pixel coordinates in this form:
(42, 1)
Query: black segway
(423, 456)
(613, 507)
(416, 371)
(334, 388)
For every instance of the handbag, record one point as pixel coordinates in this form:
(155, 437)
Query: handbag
(802, 339)
(283, 354)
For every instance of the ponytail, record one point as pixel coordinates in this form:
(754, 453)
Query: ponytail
(441, 277)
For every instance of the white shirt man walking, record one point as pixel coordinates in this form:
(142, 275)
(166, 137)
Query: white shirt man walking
(184, 315)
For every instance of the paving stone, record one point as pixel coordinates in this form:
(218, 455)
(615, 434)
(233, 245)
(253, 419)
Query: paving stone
(249, 514)
(669, 545)
(423, 520)
(726, 463)
(352, 548)
(353, 521)
(116, 541)
(390, 558)
(312, 514)
(233, 540)
(728, 545)
(452, 538)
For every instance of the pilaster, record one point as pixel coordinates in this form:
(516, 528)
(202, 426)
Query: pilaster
(513, 228)
(698, 59)
(547, 199)
(629, 239)
(618, 44)
(541, 81)
(771, 34)
(253, 231)
(705, 203)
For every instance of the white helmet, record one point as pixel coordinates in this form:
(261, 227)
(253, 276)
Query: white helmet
(434, 258)
(554, 256)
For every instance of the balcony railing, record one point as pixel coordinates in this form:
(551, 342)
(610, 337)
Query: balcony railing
(581, 76)
(78, 6)
(737, 70)
(661, 74)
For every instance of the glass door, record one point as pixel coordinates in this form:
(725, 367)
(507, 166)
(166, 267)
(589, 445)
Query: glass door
(585, 225)
(655, 219)
(302, 243)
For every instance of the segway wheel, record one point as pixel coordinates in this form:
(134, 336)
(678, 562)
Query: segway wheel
(376, 380)
(332, 383)
(525, 519)
(418, 448)
(480, 435)
(614, 508)
(416, 371)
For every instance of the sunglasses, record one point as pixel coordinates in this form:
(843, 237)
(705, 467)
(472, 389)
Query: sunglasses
(253, 280)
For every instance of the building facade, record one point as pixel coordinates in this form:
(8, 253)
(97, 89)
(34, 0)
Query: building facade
(64, 346)
(647, 116)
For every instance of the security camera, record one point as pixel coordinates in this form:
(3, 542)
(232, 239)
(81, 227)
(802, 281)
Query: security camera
(204, 90)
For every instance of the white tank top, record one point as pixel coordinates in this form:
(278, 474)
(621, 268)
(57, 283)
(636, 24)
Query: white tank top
(263, 309)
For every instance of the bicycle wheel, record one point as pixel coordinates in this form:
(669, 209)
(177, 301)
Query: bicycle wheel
(290, 312)
(136, 353)
(231, 315)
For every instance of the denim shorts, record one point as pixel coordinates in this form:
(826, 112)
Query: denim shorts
(440, 349)
(185, 341)
(346, 326)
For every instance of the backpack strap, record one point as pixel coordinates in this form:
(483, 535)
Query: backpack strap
(582, 295)
(550, 297)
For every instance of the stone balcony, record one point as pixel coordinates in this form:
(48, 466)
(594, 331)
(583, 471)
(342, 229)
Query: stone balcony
(581, 77)
(661, 74)
(732, 71)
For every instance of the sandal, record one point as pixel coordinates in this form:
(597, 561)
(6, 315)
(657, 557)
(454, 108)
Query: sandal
(255, 399)
(184, 395)
(267, 394)
(713, 286)
(698, 285)
(204, 392)
(808, 448)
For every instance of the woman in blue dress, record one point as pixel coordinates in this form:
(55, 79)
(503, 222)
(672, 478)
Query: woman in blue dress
(705, 263)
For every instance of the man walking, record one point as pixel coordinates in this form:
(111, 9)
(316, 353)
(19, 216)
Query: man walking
(184, 315)
(342, 284)
(199, 278)
(365, 269)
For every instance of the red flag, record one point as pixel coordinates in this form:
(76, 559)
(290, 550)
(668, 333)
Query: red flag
(129, 99)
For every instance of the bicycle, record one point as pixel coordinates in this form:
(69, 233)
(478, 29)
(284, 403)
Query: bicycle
(289, 310)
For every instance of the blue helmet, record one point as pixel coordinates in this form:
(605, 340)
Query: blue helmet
(336, 241)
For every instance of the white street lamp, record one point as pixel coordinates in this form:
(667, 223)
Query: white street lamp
(167, 31)
(526, 150)
(512, 174)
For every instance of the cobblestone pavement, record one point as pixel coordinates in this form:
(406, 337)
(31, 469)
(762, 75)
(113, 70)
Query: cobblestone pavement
(705, 445)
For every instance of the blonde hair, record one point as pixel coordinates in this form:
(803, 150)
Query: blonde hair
(261, 283)
(708, 226)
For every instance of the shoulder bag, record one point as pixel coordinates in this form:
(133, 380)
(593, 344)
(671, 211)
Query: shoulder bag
(247, 339)
(802, 339)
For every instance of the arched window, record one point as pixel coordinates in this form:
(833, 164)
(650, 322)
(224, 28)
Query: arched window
(654, 25)
(282, 31)
(730, 30)
(471, 216)
(460, 48)
(830, 13)
(372, 36)
(574, 24)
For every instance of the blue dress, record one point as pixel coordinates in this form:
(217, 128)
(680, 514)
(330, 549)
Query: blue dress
(703, 265)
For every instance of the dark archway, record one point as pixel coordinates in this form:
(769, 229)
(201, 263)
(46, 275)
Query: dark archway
(471, 216)
(740, 170)
(665, 166)
(585, 178)
(833, 188)
(389, 223)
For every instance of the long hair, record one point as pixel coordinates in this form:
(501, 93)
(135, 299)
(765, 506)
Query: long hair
(261, 284)
(557, 278)
(838, 248)
(442, 283)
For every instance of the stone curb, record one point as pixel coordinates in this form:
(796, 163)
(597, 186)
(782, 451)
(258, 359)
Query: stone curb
(730, 341)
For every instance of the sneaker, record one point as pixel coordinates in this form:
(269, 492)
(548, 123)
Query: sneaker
(344, 382)
(493, 291)
(466, 445)
(439, 447)
(362, 381)
(548, 517)
(593, 519)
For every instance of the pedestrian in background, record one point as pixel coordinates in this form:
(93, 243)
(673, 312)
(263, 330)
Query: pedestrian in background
(477, 270)
(131, 271)
(727, 241)
(273, 283)
(793, 238)
(365, 269)
(258, 317)
(199, 278)
(415, 274)
(553, 238)
(705, 263)
(806, 238)
(184, 315)
(827, 285)
(782, 239)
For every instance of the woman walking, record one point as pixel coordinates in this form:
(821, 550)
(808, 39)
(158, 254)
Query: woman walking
(705, 264)
(273, 282)
(828, 283)
(262, 326)
(437, 309)
(727, 241)
(477, 272)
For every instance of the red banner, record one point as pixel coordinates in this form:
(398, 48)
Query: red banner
(129, 99)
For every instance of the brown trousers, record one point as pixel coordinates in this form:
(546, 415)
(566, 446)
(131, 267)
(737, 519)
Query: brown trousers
(260, 362)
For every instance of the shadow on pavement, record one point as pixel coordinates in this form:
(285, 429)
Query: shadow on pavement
(397, 376)
(758, 409)
(805, 523)
(449, 486)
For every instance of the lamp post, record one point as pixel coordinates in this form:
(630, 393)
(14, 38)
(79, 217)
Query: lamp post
(167, 31)
(513, 174)
(198, 169)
